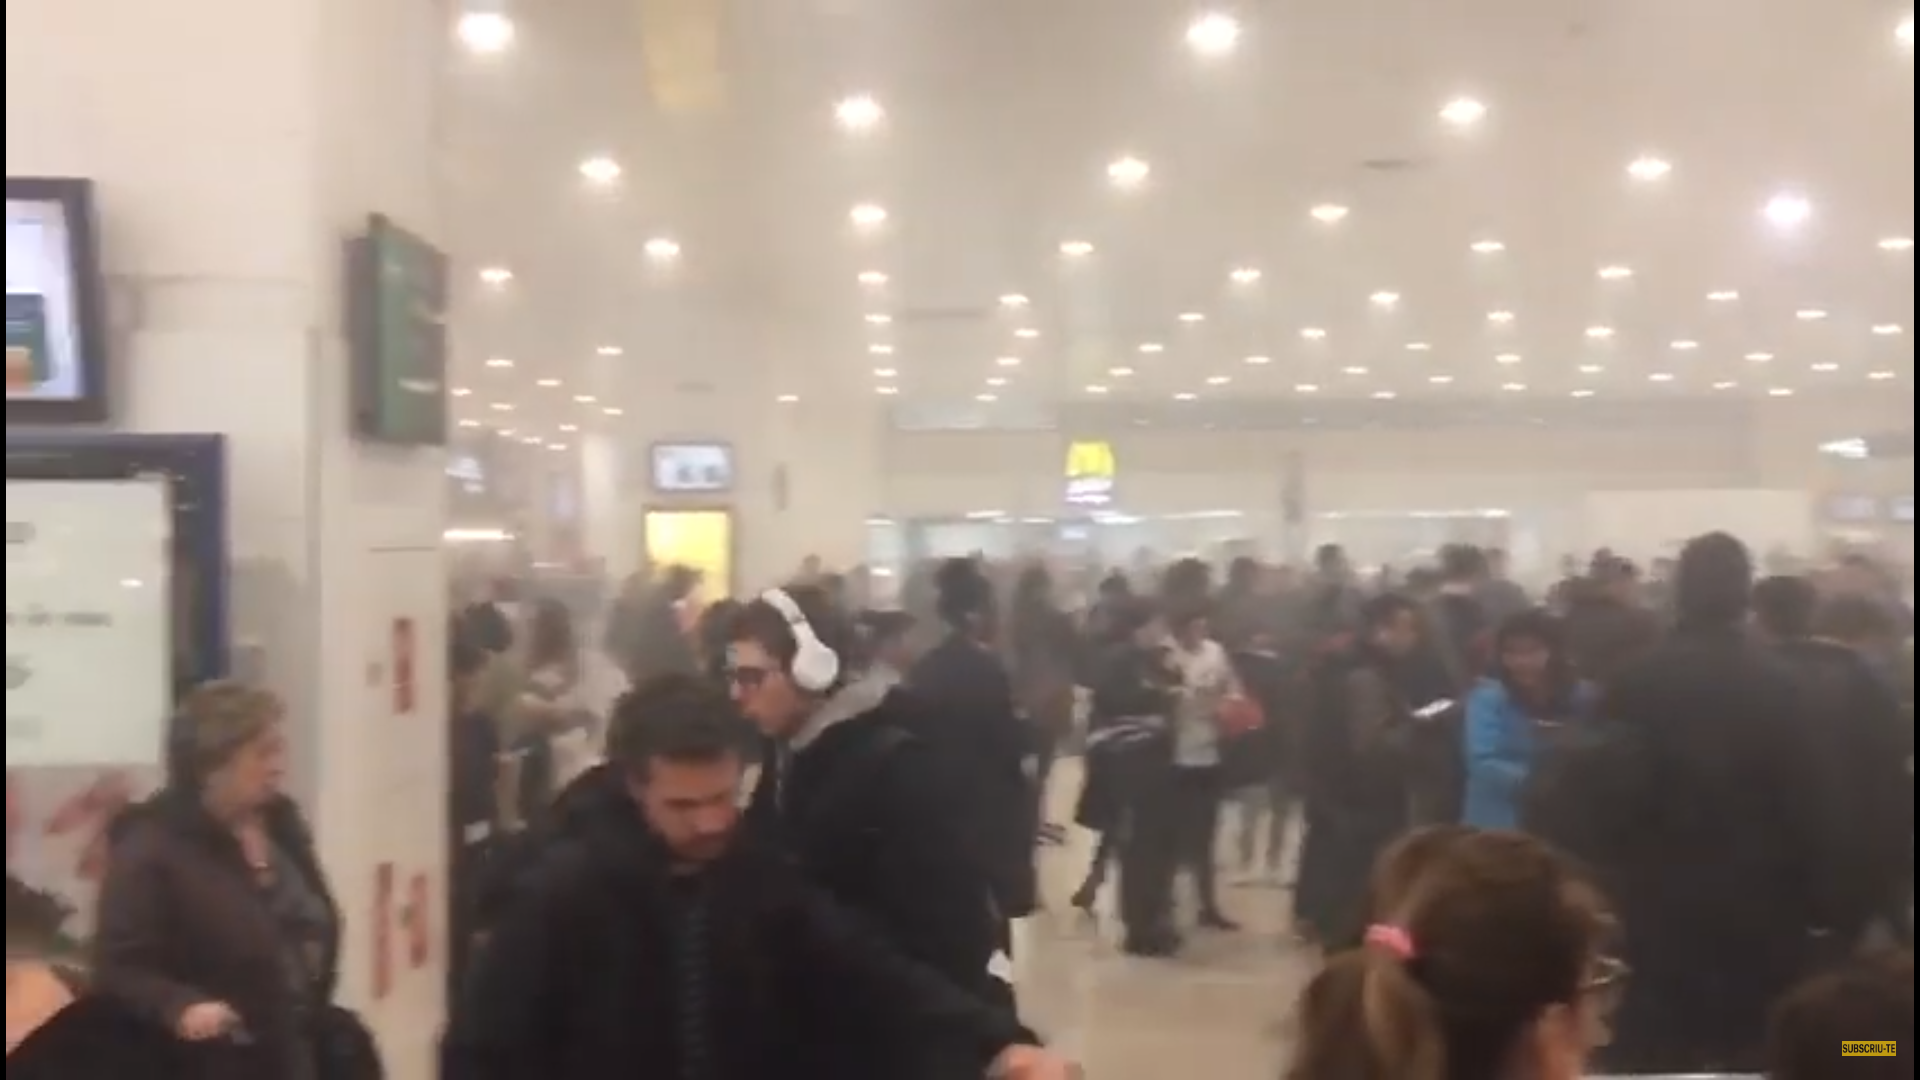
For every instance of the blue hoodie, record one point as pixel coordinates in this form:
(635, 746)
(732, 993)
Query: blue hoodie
(1499, 746)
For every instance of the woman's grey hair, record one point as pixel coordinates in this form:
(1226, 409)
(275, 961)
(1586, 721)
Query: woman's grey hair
(218, 718)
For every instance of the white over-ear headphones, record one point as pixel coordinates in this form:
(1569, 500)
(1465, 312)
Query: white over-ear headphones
(815, 666)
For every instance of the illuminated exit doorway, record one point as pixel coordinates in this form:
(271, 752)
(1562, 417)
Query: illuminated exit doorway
(700, 539)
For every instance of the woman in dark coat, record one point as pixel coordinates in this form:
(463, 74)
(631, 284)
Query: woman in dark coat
(215, 920)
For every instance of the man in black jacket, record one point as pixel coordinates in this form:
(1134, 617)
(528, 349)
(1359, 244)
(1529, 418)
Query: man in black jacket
(859, 800)
(650, 939)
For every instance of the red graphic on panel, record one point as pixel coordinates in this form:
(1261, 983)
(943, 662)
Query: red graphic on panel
(383, 887)
(91, 813)
(405, 649)
(418, 923)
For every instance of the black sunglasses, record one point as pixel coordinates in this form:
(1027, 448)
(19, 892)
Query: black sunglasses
(747, 677)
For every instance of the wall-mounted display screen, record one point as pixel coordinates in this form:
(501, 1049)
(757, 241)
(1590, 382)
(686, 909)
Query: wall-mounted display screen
(689, 468)
(56, 361)
(1852, 509)
(397, 322)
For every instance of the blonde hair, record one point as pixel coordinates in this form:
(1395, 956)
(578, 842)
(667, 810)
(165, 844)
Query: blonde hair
(216, 719)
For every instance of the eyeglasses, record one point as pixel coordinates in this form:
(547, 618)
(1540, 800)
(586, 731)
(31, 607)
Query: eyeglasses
(1606, 980)
(747, 677)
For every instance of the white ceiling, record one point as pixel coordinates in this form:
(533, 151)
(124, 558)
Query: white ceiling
(1002, 123)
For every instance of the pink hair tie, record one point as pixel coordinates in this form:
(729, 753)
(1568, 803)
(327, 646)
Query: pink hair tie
(1393, 939)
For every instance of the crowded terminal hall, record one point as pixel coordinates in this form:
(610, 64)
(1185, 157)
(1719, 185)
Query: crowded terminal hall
(960, 540)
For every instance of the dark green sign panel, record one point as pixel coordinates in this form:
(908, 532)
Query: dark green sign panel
(398, 314)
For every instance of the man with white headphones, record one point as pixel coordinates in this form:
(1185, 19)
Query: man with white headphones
(861, 803)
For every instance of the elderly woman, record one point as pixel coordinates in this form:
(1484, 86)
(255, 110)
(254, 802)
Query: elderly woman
(215, 919)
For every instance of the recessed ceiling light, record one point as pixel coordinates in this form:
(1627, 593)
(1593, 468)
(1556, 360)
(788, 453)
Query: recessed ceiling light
(501, 406)
(569, 428)
(1725, 384)
(1463, 112)
(600, 170)
(996, 380)
(1026, 333)
(880, 349)
(499, 362)
(1513, 387)
(1191, 317)
(469, 423)
(1903, 32)
(1258, 361)
(1120, 372)
(867, 216)
(1219, 380)
(1007, 361)
(884, 373)
(485, 33)
(1152, 347)
(986, 398)
(1591, 369)
(547, 384)
(1354, 370)
(1329, 213)
(495, 275)
(1882, 376)
(1440, 380)
(459, 391)
(584, 399)
(1648, 168)
(1385, 298)
(1213, 34)
(1787, 211)
(1599, 333)
(878, 318)
(609, 350)
(1487, 247)
(1615, 273)
(1759, 357)
(1824, 367)
(1128, 172)
(1245, 275)
(1810, 314)
(613, 410)
(1683, 345)
(858, 113)
(1779, 391)
(1313, 333)
(1581, 394)
(886, 391)
(1076, 249)
(1723, 296)
(1185, 395)
(1660, 376)
(1419, 346)
(1887, 329)
(1306, 388)
(662, 249)
(1384, 395)
(787, 399)
(1896, 243)
(1501, 317)
(1507, 358)
(1096, 388)
(1012, 300)
(872, 277)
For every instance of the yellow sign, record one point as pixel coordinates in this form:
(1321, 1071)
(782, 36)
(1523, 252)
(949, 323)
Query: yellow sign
(1869, 1049)
(1090, 473)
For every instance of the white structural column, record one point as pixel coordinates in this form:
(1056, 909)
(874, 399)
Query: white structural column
(806, 471)
(236, 144)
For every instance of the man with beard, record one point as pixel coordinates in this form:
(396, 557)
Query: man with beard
(1358, 733)
(651, 939)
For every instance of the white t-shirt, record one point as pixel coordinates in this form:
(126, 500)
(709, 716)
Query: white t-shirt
(1206, 678)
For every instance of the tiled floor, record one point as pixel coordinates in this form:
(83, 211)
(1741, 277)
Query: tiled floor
(1217, 1011)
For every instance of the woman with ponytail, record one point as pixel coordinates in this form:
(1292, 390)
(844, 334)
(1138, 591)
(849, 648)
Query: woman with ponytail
(1484, 961)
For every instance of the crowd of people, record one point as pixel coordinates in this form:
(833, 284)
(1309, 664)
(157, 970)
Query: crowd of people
(1648, 823)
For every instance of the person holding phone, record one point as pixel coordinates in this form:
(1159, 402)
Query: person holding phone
(1529, 697)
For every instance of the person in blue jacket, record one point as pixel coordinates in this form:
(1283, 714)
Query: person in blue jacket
(1531, 690)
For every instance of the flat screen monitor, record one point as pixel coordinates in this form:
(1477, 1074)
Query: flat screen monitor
(397, 334)
(692, 468)
(56, 332)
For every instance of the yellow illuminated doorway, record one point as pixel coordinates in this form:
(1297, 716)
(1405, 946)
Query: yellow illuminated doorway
(700, 539)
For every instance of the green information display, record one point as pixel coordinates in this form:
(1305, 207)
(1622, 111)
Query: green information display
(398, 311)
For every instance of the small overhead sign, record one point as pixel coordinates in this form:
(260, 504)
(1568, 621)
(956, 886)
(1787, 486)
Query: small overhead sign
(1090, 473)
